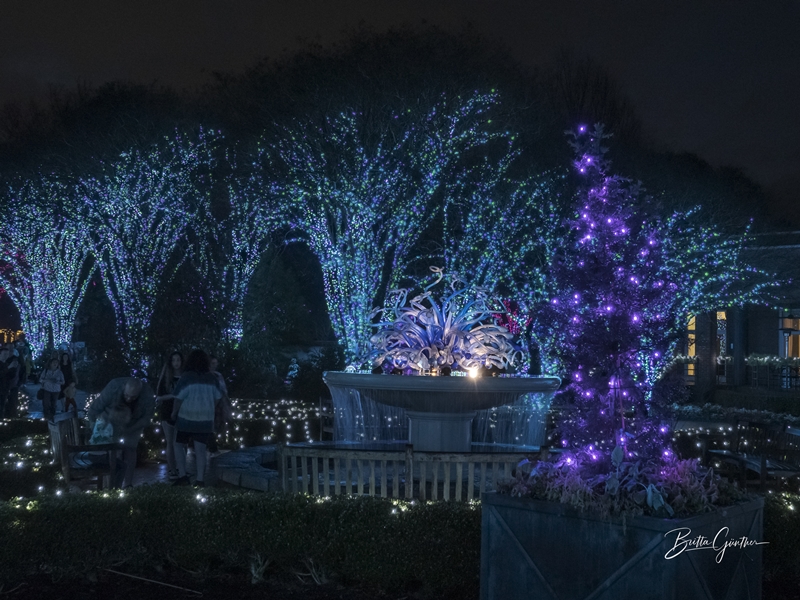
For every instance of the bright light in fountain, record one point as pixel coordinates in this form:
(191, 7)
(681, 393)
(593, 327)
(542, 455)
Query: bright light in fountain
(473, 372)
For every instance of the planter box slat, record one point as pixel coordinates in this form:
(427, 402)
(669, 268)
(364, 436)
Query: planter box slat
(543, 550)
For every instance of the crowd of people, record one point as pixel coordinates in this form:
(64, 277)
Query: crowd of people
(192, 403)
(15, 366)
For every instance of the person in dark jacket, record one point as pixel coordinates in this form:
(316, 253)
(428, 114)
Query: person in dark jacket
(14, 373)
(128, 404)
(4, 380)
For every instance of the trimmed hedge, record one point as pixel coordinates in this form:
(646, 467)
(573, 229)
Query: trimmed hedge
(392, 545)
(378, 543)
(782, 531)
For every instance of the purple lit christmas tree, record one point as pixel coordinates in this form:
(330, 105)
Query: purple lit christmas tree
(621, 287)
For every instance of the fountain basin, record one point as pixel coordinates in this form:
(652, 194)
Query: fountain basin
(440, 409)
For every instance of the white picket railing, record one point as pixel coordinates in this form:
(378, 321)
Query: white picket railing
(394, 474)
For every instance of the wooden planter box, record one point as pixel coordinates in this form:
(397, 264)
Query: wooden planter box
(548, 551)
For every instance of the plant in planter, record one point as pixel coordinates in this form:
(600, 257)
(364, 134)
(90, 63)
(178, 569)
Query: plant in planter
(456, 330)
(671, 488)
(658, 528)
(622, 285)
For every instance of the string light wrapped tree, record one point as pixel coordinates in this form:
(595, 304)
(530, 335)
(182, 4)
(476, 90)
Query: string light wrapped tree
(500, 233)
(139, 210)
(619, 292)
(251, 212)
(46, 250)
(360, 186)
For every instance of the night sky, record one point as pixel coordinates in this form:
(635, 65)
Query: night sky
(719, 78)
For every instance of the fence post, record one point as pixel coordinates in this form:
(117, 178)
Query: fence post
(409, 471)
(281, 467)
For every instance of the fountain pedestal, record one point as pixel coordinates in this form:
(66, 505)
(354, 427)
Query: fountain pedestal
(440, 409)
(440, 432)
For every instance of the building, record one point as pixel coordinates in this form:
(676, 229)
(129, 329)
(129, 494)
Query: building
(750, 356)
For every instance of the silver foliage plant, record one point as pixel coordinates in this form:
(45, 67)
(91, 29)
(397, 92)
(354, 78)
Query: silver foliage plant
(455, 329)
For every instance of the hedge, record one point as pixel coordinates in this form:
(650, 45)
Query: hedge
(372, 542)
(386, 544)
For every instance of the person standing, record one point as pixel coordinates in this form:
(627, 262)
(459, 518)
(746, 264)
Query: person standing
(70, 385)
(196, 397)
(128, 404)
(170, 375)
(26, 358)
(51, 381)
(4, 354)
(13, 371)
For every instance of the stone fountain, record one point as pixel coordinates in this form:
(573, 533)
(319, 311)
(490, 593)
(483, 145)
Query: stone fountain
(456, 332)
(440, 410)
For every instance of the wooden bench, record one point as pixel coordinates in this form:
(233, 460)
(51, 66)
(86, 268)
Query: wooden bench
(66, 437)
(766, 449)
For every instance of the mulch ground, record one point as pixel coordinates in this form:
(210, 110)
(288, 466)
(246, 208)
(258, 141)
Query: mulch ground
(113, 586)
